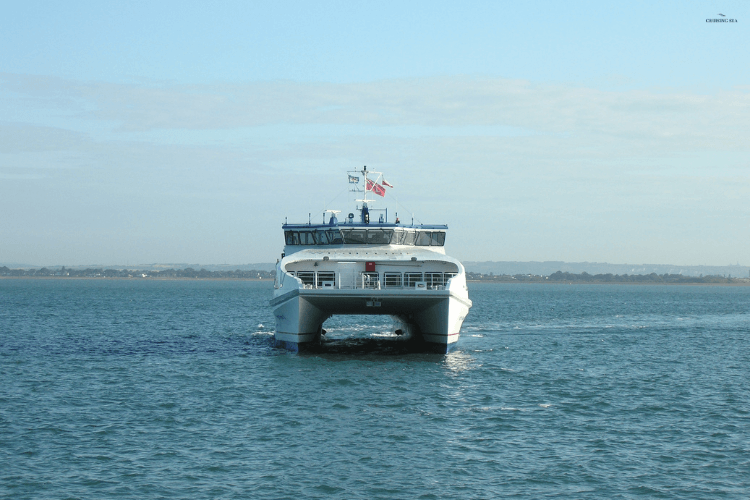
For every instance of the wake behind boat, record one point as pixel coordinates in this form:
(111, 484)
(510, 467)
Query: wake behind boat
(361, 266)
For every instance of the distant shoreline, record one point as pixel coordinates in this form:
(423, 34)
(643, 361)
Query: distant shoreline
(630, 283)
(119, 278)
(605, 279)
(111, 273)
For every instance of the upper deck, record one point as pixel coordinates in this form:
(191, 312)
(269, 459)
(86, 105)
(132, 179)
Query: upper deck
(365, 230)
(300, 236)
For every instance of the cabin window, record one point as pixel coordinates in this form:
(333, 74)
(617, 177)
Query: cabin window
(379, 236)
(292, 237)
(423, 238)
(334, 237)
(321, 238)
(307, 238)
(354, 236)
(409, 237)
(365, 236)
(398, 237)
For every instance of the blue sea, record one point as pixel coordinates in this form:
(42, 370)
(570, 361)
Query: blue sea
(172, 389)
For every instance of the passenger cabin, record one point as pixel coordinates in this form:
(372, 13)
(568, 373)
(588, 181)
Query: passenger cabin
(301, 236)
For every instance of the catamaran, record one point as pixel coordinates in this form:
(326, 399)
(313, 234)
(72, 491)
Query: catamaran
(368, 265)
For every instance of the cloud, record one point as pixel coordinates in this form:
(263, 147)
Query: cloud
(599, 172)
(668, 118)
(22, 138)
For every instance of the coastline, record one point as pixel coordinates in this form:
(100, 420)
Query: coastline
(119, 278)
(632, 283)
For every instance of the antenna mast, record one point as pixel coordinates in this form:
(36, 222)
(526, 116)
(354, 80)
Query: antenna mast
(367, 185)
(354, 181)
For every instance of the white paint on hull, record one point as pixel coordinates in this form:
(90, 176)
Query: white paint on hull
(437, 313)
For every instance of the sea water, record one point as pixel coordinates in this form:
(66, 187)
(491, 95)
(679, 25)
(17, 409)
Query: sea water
(172, 389)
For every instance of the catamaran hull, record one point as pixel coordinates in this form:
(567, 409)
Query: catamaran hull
(431, 318)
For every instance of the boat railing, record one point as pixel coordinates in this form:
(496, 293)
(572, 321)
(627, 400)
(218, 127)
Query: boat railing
(368, 280)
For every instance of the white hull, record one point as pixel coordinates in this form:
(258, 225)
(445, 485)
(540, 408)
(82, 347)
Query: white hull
(430, 312)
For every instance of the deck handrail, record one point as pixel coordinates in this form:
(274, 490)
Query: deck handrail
(365, 280)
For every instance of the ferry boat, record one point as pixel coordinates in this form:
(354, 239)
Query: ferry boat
(368, 265)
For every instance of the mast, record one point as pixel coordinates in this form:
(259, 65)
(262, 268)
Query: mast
(366, 200)
(365, 212)
(364, 174)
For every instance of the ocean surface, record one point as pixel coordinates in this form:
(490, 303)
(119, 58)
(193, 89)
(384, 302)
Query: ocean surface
(172, 389)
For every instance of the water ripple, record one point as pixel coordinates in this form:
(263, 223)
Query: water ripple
(124, 389)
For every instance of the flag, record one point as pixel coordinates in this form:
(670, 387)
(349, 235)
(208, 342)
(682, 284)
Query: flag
(386, 183)
(375, 188)
(353, 179)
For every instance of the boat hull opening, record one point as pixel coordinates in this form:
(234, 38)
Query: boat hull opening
(430, 322)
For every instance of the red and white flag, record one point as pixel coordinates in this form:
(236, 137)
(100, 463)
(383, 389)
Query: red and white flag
(386, 183)
(375, 188)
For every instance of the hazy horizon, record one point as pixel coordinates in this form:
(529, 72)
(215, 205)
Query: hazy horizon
(576, 132)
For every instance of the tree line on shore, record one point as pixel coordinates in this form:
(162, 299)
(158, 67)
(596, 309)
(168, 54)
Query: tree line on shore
(584, 277)
(135, 273)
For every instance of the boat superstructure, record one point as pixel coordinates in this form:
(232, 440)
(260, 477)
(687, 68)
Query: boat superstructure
(358, 265)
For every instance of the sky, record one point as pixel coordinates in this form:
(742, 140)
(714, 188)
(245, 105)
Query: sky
(188, 132)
